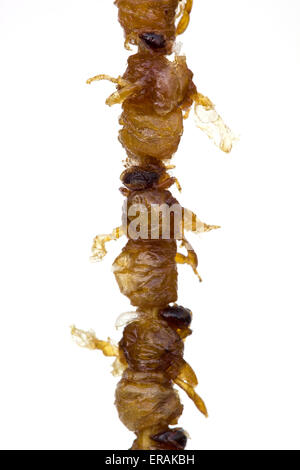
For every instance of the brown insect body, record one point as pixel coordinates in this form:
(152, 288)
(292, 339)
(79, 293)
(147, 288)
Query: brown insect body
(138, 17)
(154, 93)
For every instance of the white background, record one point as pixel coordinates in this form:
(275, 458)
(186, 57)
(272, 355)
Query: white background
(59, 180)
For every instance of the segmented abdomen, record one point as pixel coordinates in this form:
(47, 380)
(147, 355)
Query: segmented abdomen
(146, 272)
(146, 133)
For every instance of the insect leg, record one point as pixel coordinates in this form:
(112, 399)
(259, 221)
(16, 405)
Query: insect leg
(88, 339)
(180, 10)
(119, 96)
(178, 185)
(99, 249)
(119, 80)
(166, 183)
(186, 113)
(188, 375)
(185, 17)
(189, 390)
(125, 88)
(190, 259)
(130, 39)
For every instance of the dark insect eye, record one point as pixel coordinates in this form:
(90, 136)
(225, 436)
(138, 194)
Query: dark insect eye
(154, 40)
(175, 438)
(178, 316)
(138, 178)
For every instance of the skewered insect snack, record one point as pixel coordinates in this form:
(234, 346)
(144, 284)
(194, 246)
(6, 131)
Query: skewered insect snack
(156, 95)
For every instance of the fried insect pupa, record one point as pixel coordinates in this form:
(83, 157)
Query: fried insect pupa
(152, 118)
(155, 92)
(151, 344)
(190, 222)
(146, 268)
(150, 211)
(150, 354)
(127, 354)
